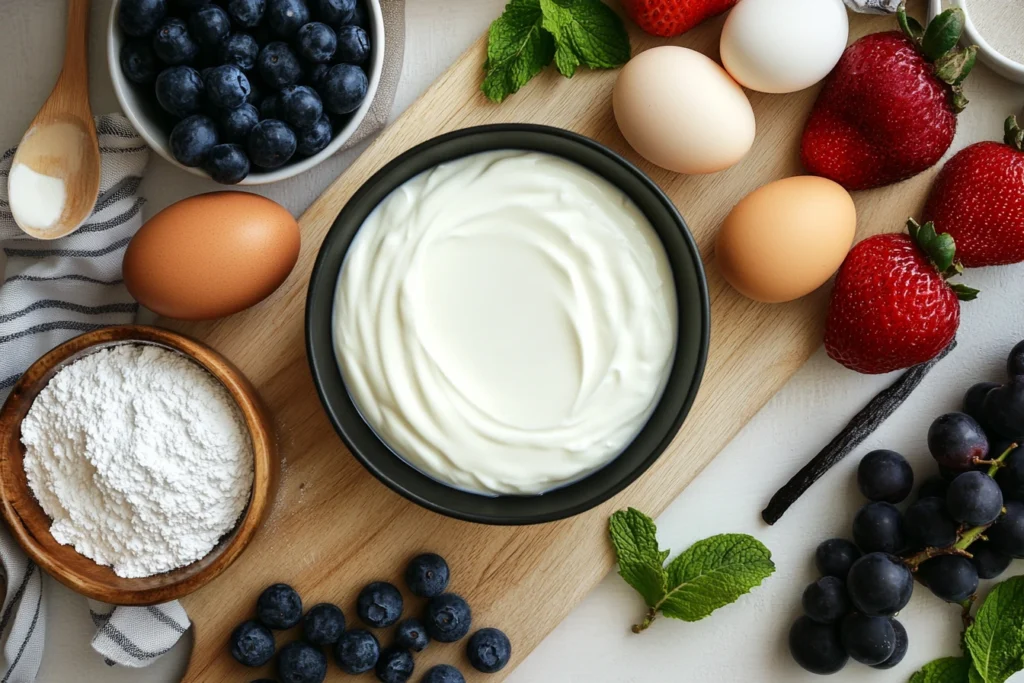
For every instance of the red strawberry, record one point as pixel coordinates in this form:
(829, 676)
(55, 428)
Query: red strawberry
(888, 110)
(978, 198)
(671, 18)
(891, 306)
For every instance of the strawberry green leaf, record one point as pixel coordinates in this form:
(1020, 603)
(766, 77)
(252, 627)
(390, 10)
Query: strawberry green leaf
(1014, 136)
(965, 293)
(943, 33)
(910, 26)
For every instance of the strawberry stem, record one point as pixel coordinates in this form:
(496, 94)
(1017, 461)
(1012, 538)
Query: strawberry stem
(1013, 135)
(940, 249)
(939, 43)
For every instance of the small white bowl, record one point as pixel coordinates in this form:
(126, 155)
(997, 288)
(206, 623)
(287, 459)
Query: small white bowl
(153, 124)
(993, 59)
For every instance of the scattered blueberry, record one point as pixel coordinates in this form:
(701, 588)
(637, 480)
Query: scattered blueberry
(835, 556)
(411, 634)
(315, 139)
(247, 13)
(241, 50)
(427, 575)
(236, 124)
(179, 90)
(278, 65)
(357, 651)
(974, 498)
(1015, 362)
(344, 88)
(227, 164)
(270, 106)
(286, 16)
(394, 666)
(957, 441)
(316, 42)
(300, 662)
(141, 18)
(379, 604)
(989, 562)
(226, 86)
(138, 61)
(443, 673)
(816, 647)
(900, 651)
(448, 618)
(252, 644)
(353, 45)
(335, 12)
(825, 600)
(279, 607)
(209, 25)
(173, 44)
(879, 584)
(885, 476)
(323, 624)
(489, 650)
(950, 577)
(868, 640)
(878, 527)
(300, 106)
(928, 525)
(191, 140)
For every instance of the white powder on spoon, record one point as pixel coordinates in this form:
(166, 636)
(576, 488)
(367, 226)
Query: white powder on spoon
(1001, 24)
(140, 457)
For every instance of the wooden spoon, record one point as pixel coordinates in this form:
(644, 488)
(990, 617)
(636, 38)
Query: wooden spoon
(60, 151)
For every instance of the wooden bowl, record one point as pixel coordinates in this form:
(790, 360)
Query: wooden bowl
(31, 526)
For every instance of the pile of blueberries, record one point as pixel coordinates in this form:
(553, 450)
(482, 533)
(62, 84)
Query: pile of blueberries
(966, 524)
(248, 83)
(447, 619)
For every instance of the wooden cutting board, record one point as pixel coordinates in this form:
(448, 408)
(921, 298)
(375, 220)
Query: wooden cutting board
(335, 528)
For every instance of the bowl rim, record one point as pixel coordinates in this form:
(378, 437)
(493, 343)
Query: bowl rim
(115, 39)
(166, 586)
(319, 369)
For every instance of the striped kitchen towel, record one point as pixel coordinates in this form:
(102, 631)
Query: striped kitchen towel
(53, 291)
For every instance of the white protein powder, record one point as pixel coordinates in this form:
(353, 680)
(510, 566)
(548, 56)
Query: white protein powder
(37, 200)
(140, 457)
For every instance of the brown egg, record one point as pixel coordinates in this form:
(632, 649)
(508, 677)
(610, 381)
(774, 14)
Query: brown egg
(786, 239)
(211, 255)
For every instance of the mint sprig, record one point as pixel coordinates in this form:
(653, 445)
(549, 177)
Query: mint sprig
(995, 640)
(530, 34)
(711, 574)
(945, 670)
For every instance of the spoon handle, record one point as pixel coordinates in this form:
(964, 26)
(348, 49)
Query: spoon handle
(74, 73)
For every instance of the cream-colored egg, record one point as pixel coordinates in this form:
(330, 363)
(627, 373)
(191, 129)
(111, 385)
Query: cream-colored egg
(782, 46)
(680, 110)
(786, 239)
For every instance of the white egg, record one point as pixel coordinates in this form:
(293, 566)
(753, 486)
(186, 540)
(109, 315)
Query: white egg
(782, 46)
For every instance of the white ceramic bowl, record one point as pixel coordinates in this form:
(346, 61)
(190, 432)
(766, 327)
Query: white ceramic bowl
(995, 60)
(145, 114)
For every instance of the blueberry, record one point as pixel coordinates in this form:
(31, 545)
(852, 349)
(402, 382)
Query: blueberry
(353, 46)
(448, 618)
(899, 651)
(427, 575)
(489, 650)
(357, 651)
(247, 13)
(933, 487)
(957, 441)
(252, 644)
(878, 527)
(316, 42)
(241, 50)
(1011, 477)
(226, 86)
(173, 44)
(394, 666)
(928, 525)
(236, 124)
(188, 5)
(443, 673)
(315, 74)
(344, 88)
(835, 556)
(1003, 410)
(334, 12)
(300, 662)
(255, 92)
(141, 18)
(950, 577)
(816, 647)
(138, 61)
(988, 561)
(227, 164)
(286, 16)
(209, 25)
(825, 600)
(868, 640)
(300, 106)
(192, 139)
(411, 634)
(379, 604)
(879, 584)
(1007, 534)
(1015, 362)
(279, 607)
(360, 17)
(975, 398)
(278, 65)
(315, 139)
(323, 624)
(271, 143)
(974, 498)
(179, 90)
(885, 476)
(269, 106)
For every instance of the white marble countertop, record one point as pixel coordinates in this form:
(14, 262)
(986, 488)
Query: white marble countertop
(743, 642)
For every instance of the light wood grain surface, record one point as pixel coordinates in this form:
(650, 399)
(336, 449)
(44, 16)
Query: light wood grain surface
(335, 527)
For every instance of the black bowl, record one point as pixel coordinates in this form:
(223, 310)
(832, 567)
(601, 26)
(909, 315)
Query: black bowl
(687, 369)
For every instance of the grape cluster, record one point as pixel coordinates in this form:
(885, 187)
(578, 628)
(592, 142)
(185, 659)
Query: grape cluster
(966, 524)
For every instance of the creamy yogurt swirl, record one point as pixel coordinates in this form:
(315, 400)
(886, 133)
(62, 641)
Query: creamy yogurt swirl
(506, 322)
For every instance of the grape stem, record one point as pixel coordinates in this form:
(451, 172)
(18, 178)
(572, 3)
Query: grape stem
(999, 462)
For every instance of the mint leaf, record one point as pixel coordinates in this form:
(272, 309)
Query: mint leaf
(517, 49)
(974, 676)
(634, 536)
(587, 32)
(995, 641)
(945, 670)
(713, 573)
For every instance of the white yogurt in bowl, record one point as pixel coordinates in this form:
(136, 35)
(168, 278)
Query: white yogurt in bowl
(506, 322)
